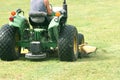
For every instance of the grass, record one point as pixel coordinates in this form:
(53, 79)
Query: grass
(98, 20)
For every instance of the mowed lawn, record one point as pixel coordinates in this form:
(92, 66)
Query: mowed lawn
(98, 20)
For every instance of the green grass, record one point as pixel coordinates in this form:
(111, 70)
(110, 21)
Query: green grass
(98, 20)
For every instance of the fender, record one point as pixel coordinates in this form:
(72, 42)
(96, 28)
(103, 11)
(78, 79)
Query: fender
(20, 22)
(53, 28)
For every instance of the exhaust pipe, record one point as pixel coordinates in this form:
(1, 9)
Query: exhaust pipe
(65, 8)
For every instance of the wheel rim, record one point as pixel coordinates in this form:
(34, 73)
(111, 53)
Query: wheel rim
(17, 38)
(75, 45)
(82, 42)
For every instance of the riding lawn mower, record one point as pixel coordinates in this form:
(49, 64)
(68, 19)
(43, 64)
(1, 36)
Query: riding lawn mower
(44, 36)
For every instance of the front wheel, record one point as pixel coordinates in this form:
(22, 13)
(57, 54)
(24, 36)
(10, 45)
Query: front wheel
(80, 42)
(80, 38)
(68, 44)
(8, 48)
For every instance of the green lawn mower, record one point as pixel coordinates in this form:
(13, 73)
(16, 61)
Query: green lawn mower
(40, 35)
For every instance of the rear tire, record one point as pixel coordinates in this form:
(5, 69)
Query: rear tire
(68, 44)
(8, 49)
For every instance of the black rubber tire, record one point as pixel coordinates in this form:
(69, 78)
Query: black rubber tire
(80, 41)
(7, 44)
(68, 44)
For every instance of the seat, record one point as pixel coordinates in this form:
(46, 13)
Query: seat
(38, 19)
